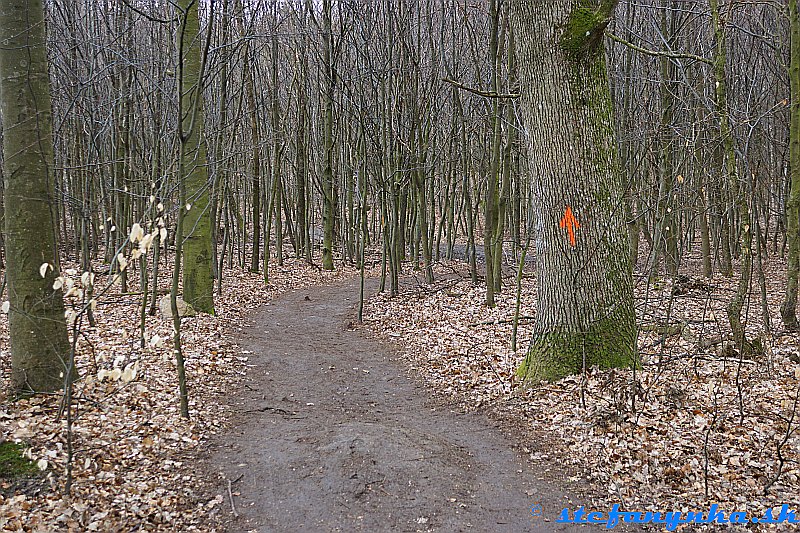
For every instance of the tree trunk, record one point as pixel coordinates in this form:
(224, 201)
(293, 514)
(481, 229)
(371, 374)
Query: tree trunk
(585, 309)
(38, 331)
(736, 304)
(2, 226)
(198, 281)
(327, 174)
(255, 179)
(492, 207)
(789, 306)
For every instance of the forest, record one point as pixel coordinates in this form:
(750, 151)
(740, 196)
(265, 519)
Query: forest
(399, 265)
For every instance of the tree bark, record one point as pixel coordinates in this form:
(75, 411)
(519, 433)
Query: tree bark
(328, 210)
(740, 200)
(198, 281)
(789, 306)
(255, 179)
(38, 331)
(585, 308)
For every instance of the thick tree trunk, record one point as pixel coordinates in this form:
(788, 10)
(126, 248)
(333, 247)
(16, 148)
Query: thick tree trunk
(585, 310)
(39, 345)
(198, 281)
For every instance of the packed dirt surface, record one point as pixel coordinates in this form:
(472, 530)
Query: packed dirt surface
(331, 435)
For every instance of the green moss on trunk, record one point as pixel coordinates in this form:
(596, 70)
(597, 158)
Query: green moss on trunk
(606, 343)
(583, 34)
(580, 35)
(198, 282)
(585, 312)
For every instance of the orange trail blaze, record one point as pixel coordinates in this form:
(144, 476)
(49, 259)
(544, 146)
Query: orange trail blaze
(570, 223)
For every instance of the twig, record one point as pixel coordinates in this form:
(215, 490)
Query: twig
(273, 409)
(779, 446)
(705, 442)
(233, 505)
(498, 321)
(656, 53)
(486, 94)
(145, 15)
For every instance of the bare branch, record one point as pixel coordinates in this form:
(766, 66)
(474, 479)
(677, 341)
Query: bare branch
(486, 94)
(656, 53)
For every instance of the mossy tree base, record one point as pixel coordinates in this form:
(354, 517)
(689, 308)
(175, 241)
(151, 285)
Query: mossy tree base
(555, 355)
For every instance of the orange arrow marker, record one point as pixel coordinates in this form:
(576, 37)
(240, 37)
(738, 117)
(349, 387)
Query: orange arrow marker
(570, 223)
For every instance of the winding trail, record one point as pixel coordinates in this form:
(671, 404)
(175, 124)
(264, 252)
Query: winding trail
(332, 436)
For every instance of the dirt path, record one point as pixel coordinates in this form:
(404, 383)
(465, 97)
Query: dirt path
(333, 437)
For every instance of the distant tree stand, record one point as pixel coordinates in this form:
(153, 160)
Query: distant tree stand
(38, 331)
(585, 313)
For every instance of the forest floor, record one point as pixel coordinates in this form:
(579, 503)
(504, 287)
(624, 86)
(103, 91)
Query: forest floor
(353, 421)
(135, 461)
(698, 424)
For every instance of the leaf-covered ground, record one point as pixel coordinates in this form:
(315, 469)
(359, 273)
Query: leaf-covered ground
(134, 458)
(705, 424)
(698, 424)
